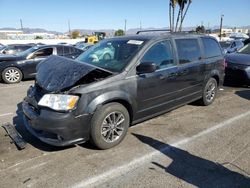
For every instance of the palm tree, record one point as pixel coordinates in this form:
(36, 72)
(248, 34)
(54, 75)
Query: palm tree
(184, 15)
(170, 14)
(181, 4)
(172, 5)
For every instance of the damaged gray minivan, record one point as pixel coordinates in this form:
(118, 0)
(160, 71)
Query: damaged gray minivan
(120, 82)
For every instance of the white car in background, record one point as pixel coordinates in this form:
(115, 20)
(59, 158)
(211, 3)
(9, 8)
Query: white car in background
(231, 46)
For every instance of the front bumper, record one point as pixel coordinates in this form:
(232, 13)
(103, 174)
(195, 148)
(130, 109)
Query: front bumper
(55, 128)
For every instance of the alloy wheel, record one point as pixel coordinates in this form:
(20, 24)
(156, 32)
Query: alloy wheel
(210, 92)
(12, 75)
(112, 126)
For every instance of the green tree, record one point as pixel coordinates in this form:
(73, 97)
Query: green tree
(38, 37)
(119, 32)
(200, 29)
(75, 34)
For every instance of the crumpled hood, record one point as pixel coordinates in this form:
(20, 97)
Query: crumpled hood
(58, 73)
(242, 59)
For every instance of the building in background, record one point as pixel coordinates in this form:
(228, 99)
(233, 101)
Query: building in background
(226, 31)
(30, 36)
(239, 30)
(4, 33)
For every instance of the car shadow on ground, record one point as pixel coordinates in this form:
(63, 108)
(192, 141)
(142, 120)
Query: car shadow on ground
(235, 83)
(195, 170)
(243, 94)
(29, 138)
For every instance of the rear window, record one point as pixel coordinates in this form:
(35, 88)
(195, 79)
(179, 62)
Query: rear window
(59, 50)
(188, 50)
(211, 48)
(66, 50)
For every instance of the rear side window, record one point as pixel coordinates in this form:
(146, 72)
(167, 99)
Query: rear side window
(43, 52)
(59, 50)
(211, 48)
(188, 50)
(160, 54)
(66, 50)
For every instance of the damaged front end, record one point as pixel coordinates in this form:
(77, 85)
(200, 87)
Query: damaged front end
(50, 108)
(57, 74)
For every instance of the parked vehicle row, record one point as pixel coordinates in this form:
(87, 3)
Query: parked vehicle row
(99, 98)
(238, 65)
(14, 68)
(15, 48)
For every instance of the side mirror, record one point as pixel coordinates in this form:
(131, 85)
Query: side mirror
(146, 67)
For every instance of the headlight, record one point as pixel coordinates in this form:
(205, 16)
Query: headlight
(59, 102)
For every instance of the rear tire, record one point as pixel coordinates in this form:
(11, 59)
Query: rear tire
(209, 92)
(12, 75)
(109, 125)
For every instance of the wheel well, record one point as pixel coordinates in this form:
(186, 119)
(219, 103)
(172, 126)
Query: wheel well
(216, 77)
(126, 105)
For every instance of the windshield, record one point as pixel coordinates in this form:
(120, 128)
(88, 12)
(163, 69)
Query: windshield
(224, 44)
(28, 51)
(113, 54)
(245, 49)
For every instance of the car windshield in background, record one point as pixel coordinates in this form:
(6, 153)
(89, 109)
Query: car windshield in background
(224, 44)
(245, 49)
(112, 55)
(28, 51)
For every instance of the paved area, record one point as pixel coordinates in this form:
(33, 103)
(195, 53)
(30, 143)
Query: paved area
(192, 146)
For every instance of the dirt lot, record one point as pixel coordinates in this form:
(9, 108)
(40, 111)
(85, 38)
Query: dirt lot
(191, 146)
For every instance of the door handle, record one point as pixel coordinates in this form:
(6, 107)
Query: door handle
(171, 75)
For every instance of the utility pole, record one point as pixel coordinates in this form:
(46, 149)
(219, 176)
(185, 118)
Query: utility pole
(125, 26)
(69, 28)
(21, 23)
(221, 21)
(140, 26)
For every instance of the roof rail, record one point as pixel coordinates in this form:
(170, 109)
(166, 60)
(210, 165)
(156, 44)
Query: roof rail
(153, 30)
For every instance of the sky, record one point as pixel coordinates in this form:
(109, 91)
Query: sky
(111, 14)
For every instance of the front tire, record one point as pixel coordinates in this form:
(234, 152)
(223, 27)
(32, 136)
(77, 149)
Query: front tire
(12, 75)
(209, 92)
(109, 125)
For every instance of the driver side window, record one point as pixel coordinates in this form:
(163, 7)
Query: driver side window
(43, 53)
(160, 54)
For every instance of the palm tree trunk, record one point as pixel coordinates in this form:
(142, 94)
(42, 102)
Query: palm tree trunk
(170, 14)
(173, 14)
(178, 18)
(183, 17)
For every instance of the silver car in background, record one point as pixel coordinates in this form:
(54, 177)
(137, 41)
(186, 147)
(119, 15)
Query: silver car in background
(231, 46)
